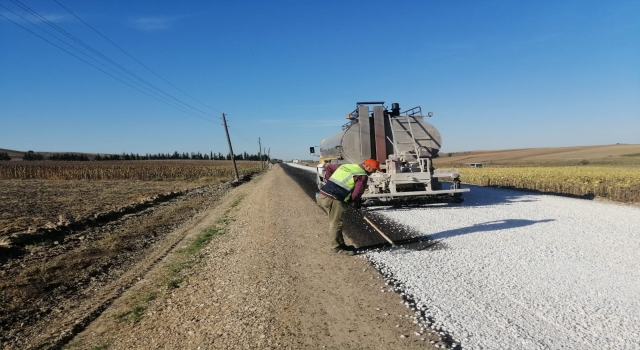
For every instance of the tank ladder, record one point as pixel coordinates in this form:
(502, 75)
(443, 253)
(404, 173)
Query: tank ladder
(409, 131)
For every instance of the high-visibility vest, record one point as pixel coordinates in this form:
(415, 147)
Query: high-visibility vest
(341, 183)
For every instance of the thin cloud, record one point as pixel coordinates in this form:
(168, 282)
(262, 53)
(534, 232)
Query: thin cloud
(337, 103)
(461, 46)
(57, 18)
(274, 121)
(51, 17)
(314, 123)
(153, 24)
(546, 37)
(321, 123)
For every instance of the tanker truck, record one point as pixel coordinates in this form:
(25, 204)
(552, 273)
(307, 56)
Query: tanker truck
(405, 146)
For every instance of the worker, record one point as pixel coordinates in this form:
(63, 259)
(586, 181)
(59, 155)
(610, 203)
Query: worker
(345, 185)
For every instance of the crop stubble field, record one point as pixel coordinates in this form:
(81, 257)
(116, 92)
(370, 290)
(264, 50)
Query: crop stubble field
(605, 171)
(35, 194)
(613, 183)
(146, 170)
(66, 229)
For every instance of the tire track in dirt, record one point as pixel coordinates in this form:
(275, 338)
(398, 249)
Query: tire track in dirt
(97, 305)
(65, 308)
(13, 246)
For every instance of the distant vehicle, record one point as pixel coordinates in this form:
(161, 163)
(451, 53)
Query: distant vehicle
(296, 161)
(474, 165)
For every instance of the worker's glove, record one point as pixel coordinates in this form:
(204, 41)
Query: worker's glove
(357, 204)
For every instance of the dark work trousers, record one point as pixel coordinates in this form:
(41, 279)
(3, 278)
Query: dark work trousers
(336, 210)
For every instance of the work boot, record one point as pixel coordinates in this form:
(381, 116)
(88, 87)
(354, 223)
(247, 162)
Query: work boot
(348, 247)
(342, 250)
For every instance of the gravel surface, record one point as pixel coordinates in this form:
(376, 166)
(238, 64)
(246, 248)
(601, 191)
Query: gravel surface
(526, 271)
(269, 282)
(522, 270)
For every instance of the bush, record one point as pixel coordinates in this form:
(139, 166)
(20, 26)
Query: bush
(4, 156)
(30, 155)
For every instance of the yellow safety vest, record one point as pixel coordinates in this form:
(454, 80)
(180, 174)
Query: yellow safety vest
(343, 177)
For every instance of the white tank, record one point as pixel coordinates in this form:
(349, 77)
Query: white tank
(355, 145)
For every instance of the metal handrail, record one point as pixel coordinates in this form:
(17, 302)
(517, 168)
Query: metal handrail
(413, 111)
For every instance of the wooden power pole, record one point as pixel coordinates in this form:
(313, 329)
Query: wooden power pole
(260, 153)
(233, 160)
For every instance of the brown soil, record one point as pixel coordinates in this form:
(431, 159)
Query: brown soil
(31, 204)
(51, 289)
(268, 282)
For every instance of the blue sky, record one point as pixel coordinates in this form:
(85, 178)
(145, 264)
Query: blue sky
(496, 74)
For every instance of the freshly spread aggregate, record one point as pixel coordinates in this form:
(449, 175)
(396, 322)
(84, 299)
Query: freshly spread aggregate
(525, 271)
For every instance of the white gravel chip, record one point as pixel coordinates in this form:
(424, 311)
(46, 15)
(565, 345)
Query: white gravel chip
(526, 271)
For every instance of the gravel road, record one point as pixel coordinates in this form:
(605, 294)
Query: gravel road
(522, 270)
(269, 282)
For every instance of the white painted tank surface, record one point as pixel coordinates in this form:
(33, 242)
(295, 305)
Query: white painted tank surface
(347, 144)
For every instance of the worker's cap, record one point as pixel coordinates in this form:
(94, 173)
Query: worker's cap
(374, 163)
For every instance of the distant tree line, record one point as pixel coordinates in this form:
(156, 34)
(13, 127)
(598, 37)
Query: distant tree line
(4, 156)
(30, 155)
(69, 157)
(177, 155)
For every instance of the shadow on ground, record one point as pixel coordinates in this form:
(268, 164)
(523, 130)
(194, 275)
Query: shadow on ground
(486, 227)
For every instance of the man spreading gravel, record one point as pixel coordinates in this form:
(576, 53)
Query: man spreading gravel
(346, 184)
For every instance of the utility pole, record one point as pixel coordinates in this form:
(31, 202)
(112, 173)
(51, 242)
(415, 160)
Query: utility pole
(260, 153)
(269, 164)
(233, 160)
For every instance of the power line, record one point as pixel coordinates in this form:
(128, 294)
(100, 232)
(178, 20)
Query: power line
(235, 132)
(240, 137)
(135, 59)
(240, 134)
(84, 53)
(56, 27)
(237, 129)
(70, 36)
(103, 71)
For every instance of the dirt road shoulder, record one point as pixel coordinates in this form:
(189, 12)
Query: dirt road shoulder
(268, 282)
